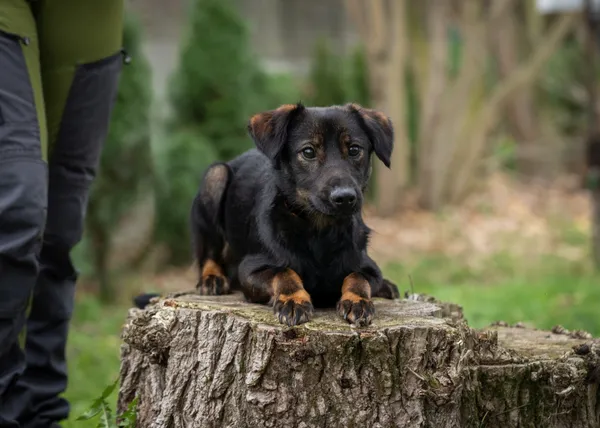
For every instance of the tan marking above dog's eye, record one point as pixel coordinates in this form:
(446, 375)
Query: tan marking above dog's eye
(317, 140)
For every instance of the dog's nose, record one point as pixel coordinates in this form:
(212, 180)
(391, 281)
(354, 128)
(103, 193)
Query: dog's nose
(343, 197)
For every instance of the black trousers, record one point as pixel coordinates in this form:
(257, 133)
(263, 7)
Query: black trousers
(60, 62)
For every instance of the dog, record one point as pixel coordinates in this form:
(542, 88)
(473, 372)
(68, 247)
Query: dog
(282, 222)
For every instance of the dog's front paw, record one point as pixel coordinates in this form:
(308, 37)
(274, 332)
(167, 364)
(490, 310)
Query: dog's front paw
(293, 309)
(212, 281)
(355, 309)
(213, 285)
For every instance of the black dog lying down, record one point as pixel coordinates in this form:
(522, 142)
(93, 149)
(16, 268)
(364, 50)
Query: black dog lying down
(283, 223)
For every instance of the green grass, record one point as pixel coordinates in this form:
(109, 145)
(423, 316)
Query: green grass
(93, 356)
(540, 292)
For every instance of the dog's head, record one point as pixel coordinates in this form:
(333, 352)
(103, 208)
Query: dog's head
(321, 155)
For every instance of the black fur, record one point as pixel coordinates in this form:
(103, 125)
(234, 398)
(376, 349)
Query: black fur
(277, 207)
(143, 300)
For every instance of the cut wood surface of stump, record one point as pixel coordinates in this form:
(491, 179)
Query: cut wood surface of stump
(197, 361)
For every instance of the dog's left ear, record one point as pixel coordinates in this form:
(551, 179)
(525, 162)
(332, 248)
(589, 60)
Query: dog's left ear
(379, 128)
(269, 129)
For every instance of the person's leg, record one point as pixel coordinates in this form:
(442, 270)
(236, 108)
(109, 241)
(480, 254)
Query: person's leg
(23, 184)
(80, 48)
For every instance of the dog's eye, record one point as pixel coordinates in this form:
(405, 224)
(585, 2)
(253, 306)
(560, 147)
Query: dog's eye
(354, 150)
(308, 153)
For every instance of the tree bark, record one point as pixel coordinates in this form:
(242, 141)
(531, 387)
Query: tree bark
(429, 180)
(101, 246)
(391, 183)
(593, 139)
(520, 109)
(595, 199)
(218, 362)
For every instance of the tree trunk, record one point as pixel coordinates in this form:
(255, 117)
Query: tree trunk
(217, 362)
(391, 183)
(100, 243)
(595, 197)
(593, 141)
(520, 107)
(429, 180)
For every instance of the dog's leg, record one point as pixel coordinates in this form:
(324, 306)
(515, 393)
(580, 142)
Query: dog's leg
(387, 290)
(355, 305)
(207, 231)
(264, 284)
(380, 287)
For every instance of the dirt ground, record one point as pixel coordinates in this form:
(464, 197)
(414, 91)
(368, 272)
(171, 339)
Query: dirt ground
(504, 216)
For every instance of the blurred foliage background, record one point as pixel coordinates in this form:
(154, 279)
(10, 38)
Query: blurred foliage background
(485, 204)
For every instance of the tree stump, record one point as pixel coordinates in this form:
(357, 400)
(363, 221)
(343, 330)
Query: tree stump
(197, 361)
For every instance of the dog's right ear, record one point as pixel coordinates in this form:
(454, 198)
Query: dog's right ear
(269, 129)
